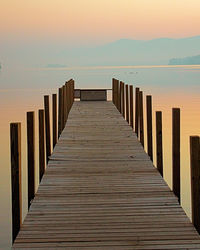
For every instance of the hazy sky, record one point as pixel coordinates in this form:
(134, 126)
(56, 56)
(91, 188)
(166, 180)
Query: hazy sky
(97, 21)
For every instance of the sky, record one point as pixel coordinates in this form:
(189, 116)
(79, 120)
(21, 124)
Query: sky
(86, 22)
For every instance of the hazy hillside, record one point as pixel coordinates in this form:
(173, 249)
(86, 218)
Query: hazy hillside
(192, 60)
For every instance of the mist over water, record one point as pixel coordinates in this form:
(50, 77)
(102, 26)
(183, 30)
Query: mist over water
(22, 90)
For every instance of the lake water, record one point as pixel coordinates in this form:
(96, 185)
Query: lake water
(22, 90)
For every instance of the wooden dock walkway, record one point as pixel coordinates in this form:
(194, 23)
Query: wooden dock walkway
(101, 191)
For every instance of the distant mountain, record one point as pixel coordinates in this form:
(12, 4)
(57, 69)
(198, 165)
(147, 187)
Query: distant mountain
(191, 60)
(133, 52)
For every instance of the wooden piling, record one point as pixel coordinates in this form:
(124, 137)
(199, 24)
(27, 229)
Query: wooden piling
(15, 153)
(149, 126)
(41, 144)
(131, 105)
(113, 91)
(47, 127)
(141, 118)
(54, 116)
(120, 96)
(31, 156)
(137, 90)
(127, 104)
(123, 100)
(176, 151)
(195, 177)
(117, 94)
(60, 112)
(159, 149)
(64, 119)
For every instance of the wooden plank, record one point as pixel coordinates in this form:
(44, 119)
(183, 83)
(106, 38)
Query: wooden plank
(31, 156)
(137, 90)
(15, 153)
(60, 112)
(41, 144)
(54, 119)
(101, 191)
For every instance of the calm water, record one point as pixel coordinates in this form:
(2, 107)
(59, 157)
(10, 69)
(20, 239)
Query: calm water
(22, 90)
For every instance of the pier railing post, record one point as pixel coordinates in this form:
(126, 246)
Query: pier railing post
(149, 126)
(131, 105)
(47, 127)
(195, 177)
(15, 153)
(41, 144)
(31, 156)
(176, 151)
(123, 100)
(141, 118)
(60, 112)
(159, 148)
(54, 116)
(137, 90)
(118, 95)
(127, 104)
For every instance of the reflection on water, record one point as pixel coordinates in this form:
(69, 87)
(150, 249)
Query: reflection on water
(22, 90)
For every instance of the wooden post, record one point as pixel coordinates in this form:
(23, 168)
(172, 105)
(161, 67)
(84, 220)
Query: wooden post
(60, 112)
(64, 119)
(176, 151)
(137, 90)
(131, 105)
(47, 127)
(113, 91)
(120, 97)
(127, 104)
(149, 126)
(15, 153)
(68, 98)
(117, 94)
(41, 144)
(73, 83)
(141, 118)
(123, 100)
(195, 177)
(31, 156)
(54, 115)
(159, 151)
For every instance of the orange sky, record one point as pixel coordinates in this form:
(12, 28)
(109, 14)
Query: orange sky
(99, 20)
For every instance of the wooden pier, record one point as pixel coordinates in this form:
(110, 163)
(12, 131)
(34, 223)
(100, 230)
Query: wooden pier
(101, 191)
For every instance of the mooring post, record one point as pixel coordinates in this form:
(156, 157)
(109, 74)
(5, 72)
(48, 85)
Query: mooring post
(15, 153)
(54, 116)
(195, 177)
(149, 126)
(159, 149)
(176, 151)
(141, 118)
(127, 103)
(131, 105)
(137, 90)
(60, 112)
(31, 156)
(41, 144)
(47, 127)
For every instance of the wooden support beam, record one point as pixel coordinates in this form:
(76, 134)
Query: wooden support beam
(176, 151)
(141, 118)
(120, 96)
(31, 156)
(123, 100)
(41, 144)
(47, 127)
(64, 104)
(15, 150)
(127, 104)
(60, 112)
(149, 126)
(131, 105)
(137, 90)
(159, 148)
(54, 116)
(117, 94)
(195, 177)
(113, 90)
